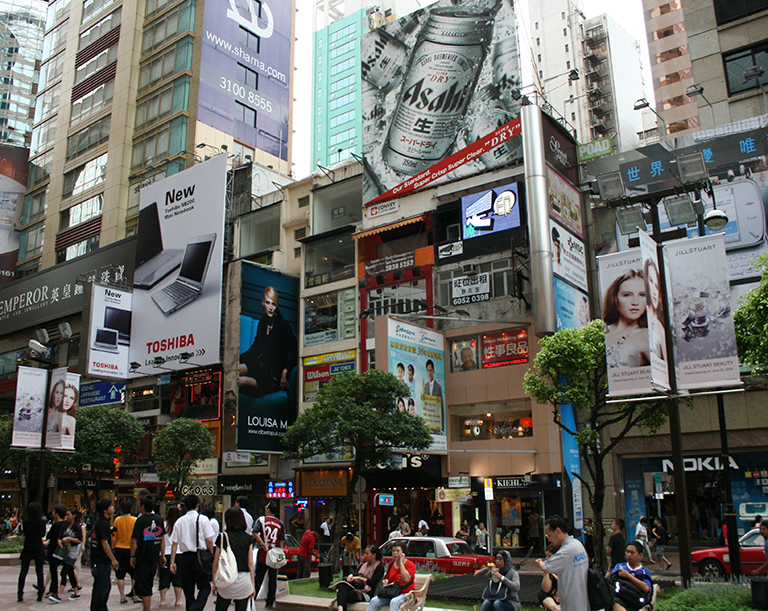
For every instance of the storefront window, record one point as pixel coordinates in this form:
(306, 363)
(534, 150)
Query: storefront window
(329, 317)
(498, 420)
(202, 394)
(329, 259)
(395, 299)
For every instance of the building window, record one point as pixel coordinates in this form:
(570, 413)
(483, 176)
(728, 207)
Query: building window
(342, 101)
(31, 241)
(40, 168)
(98, 30)
(78, 250)
(92, 103)
(297, 252)
(161, 142)
(739, 64)
(731, 10)
(245, 114)
(249, 40)
(342, 136)
(573, 116)
(565, 31)
(671, 54)
(298, 234)
(247, 76)
(342, 118)
(480, 421)
(55, 39)
(567, 65)
(341, 155)
(539, 57)
(34, 207)
(260, 231)
(51, 70)
(664, 9)
(567, 50)
(43, 136)
(28, 268)
(343, 83)
(47, 103)
(329, 259)
(342, 49)
(176, 59)
(82, 212)
(537, 25)
(339, 34)
(88, 138)
(156, 5)
(304, 201)
(181, 19)
(171, 99)
(94, 8)
(329, 318)
(675, 28)
(341, 66)
(538, 42)
(92, 66)
(86, 176)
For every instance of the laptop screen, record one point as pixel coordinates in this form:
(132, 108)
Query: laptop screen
(106, 336)
(150, 241)
(119, 320)
(195, 261)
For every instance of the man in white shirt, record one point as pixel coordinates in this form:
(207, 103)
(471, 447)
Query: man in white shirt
(191, 532)
(570, 563)
(242, 503)
(431, 386)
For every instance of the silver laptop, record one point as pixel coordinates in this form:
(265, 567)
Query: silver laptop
(152, 262)
(105, 340)
(189, 283)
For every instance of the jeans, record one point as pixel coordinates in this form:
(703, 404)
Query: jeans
(25, 561)
(261, 570)
(222, 604)
(500, 605)
(193, 577)
(53, 567)
(305, 564)
(394, 603)
(102, 585)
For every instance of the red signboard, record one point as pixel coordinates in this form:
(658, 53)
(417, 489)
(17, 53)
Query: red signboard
(504, 348)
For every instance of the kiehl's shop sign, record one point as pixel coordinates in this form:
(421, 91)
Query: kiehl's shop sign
(323, 483)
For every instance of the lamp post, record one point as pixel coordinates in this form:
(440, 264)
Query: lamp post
(697, 90)
(643, 103)
(756, 73)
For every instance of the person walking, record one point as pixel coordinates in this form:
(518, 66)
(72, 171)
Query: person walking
(641, 534)
(404, 527)
(307, 549)
(237, 537)
(210, 513)
(33, 550)
(102, 558)
(192, 532)
(482, 537)
(269, 532)
(52, 538)
(242, 504)
(570, 563)
(166, 578)
(616, 544)
(764, 533)
(70, 539)
(122, 541)
(146, 550)
(660, 541)
(502, 576)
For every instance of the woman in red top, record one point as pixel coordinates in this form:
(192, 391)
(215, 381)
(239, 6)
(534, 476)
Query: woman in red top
(400, 571)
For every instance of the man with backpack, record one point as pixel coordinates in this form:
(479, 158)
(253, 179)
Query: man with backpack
(631, 581)
(570, 563)
(146, 550)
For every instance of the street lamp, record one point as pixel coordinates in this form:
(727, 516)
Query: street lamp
(756, 73)
(641, 104)
(697, 90)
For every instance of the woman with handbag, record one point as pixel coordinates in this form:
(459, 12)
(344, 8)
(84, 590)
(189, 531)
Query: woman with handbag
(70, 540)
(241, 590)
(397, 582)
(165, 577)
(359, 586)
(34, 531)
(501, 592)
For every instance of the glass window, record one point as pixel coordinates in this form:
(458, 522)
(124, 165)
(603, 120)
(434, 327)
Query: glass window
(347, 81)
(94, 8)
(342, 101)
(502, 280)
(245, 114)
(670, 54)
(55, 39)
(163, 141)
(82, 212)
(40, 168)
(28, 268)
(31, 241)
(175, 59)
(78, 250)
(329, 259)
(297, 252)
(731, 10)
(741, 64)
(341, 154)
(260, 230)
(341, 66)
(156, 5)
(164, 29)
(502, 420)
(34, 207)
(96, 31)
(56, 10)
(92, 66)
(395, 299)
(51, 70)
(88, 138)
(92, 103)
(247, 76)
(43, 136)
(329, 317)
(298, 234)
(339, 34)
(249, 40)
(664, 9)
(86, 176)
(675, 28)
(171, 99)
(342, 118)
(342, 49)
(342, 136)
(47, 102)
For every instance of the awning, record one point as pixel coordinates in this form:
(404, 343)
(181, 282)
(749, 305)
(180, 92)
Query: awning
(375, 230)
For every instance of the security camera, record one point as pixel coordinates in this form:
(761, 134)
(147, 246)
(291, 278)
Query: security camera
(36, 346)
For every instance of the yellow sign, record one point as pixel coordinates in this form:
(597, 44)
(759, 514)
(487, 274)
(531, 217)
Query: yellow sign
(331, 357)
(488, 482)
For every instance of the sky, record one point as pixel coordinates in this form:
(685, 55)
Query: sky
(628, 13)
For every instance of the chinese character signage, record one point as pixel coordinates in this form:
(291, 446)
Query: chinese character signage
(490, 211)
(504, 348)
(471, 289)
(438, 99)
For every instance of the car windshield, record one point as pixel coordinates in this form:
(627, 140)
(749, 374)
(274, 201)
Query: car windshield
(290, 541)
(459, 547)
(754, 539)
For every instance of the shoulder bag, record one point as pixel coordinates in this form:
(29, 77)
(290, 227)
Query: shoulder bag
(226, 572)
(391, 589)
(204, 556)
(495, 590)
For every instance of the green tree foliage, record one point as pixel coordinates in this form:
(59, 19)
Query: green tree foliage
(177, 449)
(751, 320)
(357, 410)
(571, 368)
(101, 430)
(16, 460)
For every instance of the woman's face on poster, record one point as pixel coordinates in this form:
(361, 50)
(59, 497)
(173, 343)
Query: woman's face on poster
(270, 307)
(69, 399)
(631, 299)
(58, 394)
(653, 286)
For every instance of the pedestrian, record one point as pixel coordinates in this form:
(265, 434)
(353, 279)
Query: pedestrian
(210, 513)
(191, 533)
(569, 562)
(632, 582)
(400, 571)
(166, 578)
(501, 594)
(102, 558)
(307, 549)
(659, 541)
(350, 553)
(616, 544)
(269, 532)
(242, 590)
(404, 527)
(534, 529)
(52, 538)
(547, 595)
(146, 550)
(33, 550)
(122, 546)
(641, 534)
(482, 537)
(764, 533)
(242, 503)
(423, 527)
(70, 540)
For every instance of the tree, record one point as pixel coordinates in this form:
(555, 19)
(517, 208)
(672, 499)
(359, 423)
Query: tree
(571, 368)
(751, 321)
(101, 430)
(357, 410)
(15, 459)
(177, 449)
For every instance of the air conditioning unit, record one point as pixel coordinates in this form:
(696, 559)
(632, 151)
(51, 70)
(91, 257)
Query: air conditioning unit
(469, 270)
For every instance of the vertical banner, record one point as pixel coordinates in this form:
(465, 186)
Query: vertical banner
(571, 306)
(622, 288)
(178, 275)
(572, 462)
(417, 357)
(63, 402)
(13, 181)
(31, 395)
(268, 369)
(705, 338)
(657, 321)
(109, 332)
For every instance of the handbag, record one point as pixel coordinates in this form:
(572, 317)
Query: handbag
(204, 556)
(499, 593)
(60, 553)
(276, 558)
(390, 590)
(226, 572)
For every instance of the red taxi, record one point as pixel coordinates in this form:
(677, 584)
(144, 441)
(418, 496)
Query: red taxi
(715, 562)
(446, 554)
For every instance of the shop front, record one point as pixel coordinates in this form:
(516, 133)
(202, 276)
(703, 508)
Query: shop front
(319, 495)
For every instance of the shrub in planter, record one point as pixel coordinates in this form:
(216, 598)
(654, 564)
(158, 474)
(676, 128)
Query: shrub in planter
(709, 597)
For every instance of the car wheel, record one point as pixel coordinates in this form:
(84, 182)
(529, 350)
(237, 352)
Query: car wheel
(711, 569)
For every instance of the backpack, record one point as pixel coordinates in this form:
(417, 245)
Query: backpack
(599, 590)
(226, 573)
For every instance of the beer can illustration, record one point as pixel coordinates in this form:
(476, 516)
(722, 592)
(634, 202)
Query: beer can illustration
(385, 56)
(442, 76)
(506, 71)
(490, 116)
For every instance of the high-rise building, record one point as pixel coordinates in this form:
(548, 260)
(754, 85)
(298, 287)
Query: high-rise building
(133, 92)
(22, 24)
(337, 122)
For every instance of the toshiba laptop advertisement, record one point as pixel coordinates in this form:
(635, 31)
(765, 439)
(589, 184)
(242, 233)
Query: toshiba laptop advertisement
(177, 289)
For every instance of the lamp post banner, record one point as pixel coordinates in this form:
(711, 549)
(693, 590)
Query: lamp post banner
(31, 390)
(702, 314)
(657, 319)
(626, 323)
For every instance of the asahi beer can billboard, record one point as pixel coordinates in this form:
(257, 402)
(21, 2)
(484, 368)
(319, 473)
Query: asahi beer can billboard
(436, 82)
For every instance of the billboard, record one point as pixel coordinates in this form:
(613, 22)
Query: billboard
(702, 318)
(571, 306)
(417, 357)
(13, 181)
(109, 332)
(437, 101)
(318, 370)
(268, 366)
(245, 72)
(657, 320)
(490, 211)
(178, 273)
(63, 401)
(626, 323)
(564, 203)
(568, 255)
(31, 395)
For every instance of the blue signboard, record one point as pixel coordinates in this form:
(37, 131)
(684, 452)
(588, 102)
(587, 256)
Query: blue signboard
(490, 211)
(101, 393)
(572, 462)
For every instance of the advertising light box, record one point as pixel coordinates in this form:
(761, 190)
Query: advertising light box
(490, 211)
